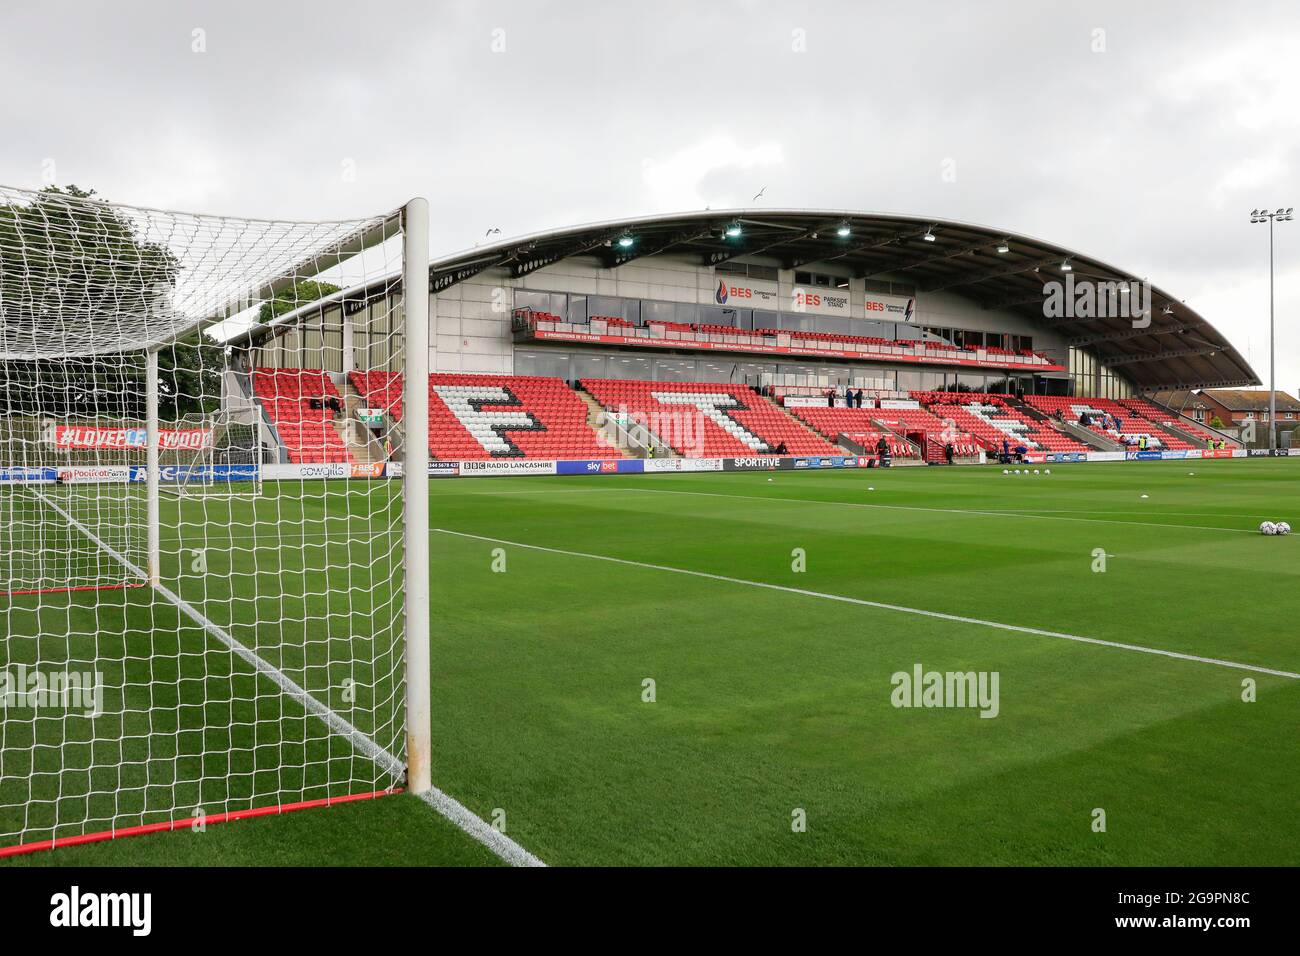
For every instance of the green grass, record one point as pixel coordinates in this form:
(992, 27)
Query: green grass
(768, 700)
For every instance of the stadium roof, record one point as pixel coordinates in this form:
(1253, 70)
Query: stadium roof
(996, 268)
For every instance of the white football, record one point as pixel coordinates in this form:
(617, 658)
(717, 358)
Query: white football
(1283, 528)
(1035, 471)
(1267, 527)
(1017, 471)
(1047, 471)
(1005, 472)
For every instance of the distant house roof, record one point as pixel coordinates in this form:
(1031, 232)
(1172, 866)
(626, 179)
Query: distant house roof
(1180, 399)
(1251, 399)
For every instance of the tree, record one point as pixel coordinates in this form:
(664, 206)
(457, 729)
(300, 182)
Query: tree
(304, 291)
(68, 258)
(1216, 422)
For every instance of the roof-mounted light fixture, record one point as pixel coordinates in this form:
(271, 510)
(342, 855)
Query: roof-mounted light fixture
(929, 235)
(1065, 266)
(844, 231)
(1003, 248)
(625, 241)
(733, 229)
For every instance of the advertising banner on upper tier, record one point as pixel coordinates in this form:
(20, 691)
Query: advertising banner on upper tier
(820, 301)
(890, 308)
(739, 292)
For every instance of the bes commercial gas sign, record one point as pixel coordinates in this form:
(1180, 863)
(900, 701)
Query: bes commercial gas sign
(92, 436)
(739, 292)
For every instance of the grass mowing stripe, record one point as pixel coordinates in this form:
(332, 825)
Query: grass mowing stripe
(496, 841)
(862, 602)
(946, 511)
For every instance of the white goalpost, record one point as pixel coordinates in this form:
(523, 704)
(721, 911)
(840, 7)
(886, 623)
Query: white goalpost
(212, 602)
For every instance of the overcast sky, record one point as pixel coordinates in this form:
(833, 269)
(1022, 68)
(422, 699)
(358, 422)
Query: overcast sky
(1141, 133)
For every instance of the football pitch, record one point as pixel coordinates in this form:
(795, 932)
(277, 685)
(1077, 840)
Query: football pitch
(705, 669)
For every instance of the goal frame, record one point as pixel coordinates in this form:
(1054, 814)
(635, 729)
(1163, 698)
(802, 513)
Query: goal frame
(412, 220)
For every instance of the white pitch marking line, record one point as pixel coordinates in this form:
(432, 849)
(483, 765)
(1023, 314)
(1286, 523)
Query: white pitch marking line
(862, 602)
(465, 819)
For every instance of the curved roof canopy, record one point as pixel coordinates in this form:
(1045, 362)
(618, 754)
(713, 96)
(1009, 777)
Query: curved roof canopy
(993, 267)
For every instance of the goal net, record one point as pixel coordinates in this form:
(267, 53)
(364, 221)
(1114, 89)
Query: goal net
(204, 602)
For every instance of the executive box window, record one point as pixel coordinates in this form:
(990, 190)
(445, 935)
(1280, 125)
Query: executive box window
(578, 309)
(681, 312)
(542, 362)
(609, 306)
(632, 367)
(889, 288)
(818, 280)
(735, 318)
(555, 303)
(674, 370)
(748, 270)
(711, 371)
(589, 365)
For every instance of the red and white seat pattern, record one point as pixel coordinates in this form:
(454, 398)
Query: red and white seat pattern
(993, 420)
(1132, 426)
(308, 433)
(1162, 417)
(707, 420)
(380, 390)
(495, 416)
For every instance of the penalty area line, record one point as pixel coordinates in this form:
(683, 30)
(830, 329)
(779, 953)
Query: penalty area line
(450, 808)
(881, 605)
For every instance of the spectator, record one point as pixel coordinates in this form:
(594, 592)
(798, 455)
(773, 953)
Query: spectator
(859, 398)
(1006, 450)
(948, 452)
(882, 451)
(781, 449)
(1119, 425)
(830, 398)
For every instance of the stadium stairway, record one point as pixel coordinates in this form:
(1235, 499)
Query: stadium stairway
(363, 446)
(596, 419)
